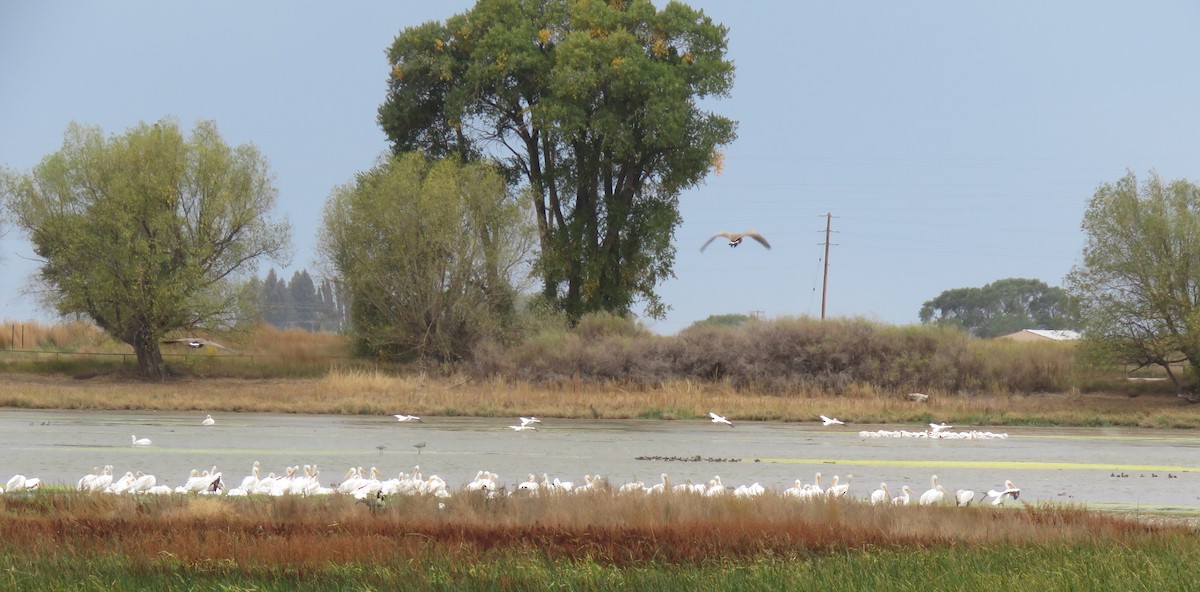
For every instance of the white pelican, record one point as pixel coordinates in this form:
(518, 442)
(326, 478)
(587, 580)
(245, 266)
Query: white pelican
(735, 238)
(139, 441)
(836, 490)
(142, 483)
(402, 417)
(208, 421)
(964, 497)
(881, 495)
(934, 495)
(1010, 490)
(529, 420)
(937, 427)
(715, 487)
(718, 419)
(905, 497)
(663, 487)
(523, 428)
(832, 421)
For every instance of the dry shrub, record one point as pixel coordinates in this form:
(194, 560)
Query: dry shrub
(784, 356)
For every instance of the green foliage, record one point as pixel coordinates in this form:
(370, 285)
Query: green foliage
(429, 253)
(1139, 280)
(1002, 307)
(721, 320)
(595, 105)
(149, 232)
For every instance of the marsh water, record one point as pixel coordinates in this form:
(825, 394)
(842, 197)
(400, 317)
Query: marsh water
(1101, 467)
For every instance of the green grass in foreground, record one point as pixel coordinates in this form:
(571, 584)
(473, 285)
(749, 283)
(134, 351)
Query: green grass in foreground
(1166, 564)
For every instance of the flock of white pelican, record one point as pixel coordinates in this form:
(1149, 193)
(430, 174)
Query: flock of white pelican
(936, 431)
(371, 485)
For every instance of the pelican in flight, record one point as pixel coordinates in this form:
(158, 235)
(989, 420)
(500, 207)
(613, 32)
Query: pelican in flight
(139, 441)
(719, 419)
(209, 421)
(523, 427)
(402, 417)
(530, 420)
(832, 421)
(195, 343)
(735, 238)
(937, 427)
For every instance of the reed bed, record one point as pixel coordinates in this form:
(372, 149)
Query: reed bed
(597, 539)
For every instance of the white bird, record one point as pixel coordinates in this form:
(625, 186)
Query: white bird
(832, 421)
(523, 428)
(530, 420)
(735, 238)
(195, 343)
(881, 495)
(718, 419)
(208, 421)
(905, 496)
(402, 417)
(836, 490)
(964, 497)
(139, 441)
(934, 495)
(1010, 490)
(937, 427)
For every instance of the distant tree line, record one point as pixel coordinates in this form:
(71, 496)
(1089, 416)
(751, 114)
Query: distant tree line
(301, 303)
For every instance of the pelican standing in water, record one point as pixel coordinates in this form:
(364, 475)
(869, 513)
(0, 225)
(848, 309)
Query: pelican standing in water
(139, 441)
(209, 421)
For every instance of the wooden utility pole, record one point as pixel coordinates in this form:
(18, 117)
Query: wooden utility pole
(825, 279)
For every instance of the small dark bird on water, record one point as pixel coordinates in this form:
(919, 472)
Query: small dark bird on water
(419, 446)
(735, 238)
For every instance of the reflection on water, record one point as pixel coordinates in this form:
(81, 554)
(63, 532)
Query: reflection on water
(1065, 465)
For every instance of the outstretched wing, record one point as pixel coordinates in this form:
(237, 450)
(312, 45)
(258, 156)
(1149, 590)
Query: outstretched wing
(713, 238)
(196, 343)
(758, 237)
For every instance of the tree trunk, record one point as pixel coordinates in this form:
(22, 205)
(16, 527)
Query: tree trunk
(149, 356)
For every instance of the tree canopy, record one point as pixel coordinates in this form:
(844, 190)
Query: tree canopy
(1139, 283)
(595, 105)
(428, 253)
(1002, 307)
(150, 231)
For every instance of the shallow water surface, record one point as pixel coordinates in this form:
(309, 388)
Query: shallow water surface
(1082, 465)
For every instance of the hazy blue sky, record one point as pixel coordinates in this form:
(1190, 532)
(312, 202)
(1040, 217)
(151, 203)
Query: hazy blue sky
(955, 143)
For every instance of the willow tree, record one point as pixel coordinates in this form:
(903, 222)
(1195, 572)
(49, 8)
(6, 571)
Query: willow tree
(429, 253)
(1139, 283)
(150, 231)
(595, 105)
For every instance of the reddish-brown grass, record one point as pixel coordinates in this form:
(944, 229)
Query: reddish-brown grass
(618, 530)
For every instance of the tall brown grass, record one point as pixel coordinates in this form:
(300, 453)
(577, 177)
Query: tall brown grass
(599, 526)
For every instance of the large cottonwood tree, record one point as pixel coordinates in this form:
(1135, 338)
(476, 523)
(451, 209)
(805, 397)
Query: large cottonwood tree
(597, 106)
(1002, 307)
(150, 231)
(1139, 283)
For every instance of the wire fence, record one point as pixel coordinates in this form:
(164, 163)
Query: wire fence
(131, 358)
